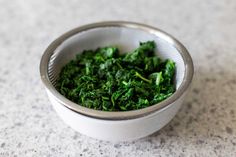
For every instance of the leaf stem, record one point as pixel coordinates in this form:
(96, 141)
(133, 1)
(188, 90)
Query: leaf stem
(118, 64)
(143, 78)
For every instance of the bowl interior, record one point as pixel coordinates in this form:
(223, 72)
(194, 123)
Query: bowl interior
(126, 39)
(126, 36)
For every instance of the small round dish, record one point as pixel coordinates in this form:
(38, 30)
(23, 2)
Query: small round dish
(115, 126)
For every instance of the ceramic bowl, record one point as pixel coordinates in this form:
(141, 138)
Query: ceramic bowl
(115, 126)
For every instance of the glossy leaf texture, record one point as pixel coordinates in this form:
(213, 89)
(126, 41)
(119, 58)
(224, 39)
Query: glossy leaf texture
(103, 79)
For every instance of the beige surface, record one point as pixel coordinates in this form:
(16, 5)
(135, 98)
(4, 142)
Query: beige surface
(205, 126)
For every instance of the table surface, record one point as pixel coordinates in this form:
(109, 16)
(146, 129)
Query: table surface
(205, 125)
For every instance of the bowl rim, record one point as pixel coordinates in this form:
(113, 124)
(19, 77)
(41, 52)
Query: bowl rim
(117, 115)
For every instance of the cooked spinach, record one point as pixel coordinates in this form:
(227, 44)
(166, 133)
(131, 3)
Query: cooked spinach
(104, 79)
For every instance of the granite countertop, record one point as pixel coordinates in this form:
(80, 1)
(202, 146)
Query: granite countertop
(205, 125)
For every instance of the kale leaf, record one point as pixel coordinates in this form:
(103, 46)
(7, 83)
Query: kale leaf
(103, 79)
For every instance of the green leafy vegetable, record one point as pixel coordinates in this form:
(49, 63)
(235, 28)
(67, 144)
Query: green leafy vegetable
(105, 80)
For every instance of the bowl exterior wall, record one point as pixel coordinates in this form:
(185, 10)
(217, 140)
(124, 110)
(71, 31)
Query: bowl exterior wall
(117, 130)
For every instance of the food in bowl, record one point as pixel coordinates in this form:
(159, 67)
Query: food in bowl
(104, 79)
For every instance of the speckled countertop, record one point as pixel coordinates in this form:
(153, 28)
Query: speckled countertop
(206, 124)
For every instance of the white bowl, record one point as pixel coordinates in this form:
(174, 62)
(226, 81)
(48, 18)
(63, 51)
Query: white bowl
(115, 126)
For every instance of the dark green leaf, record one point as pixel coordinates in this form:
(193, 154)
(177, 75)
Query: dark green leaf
(106, 80)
